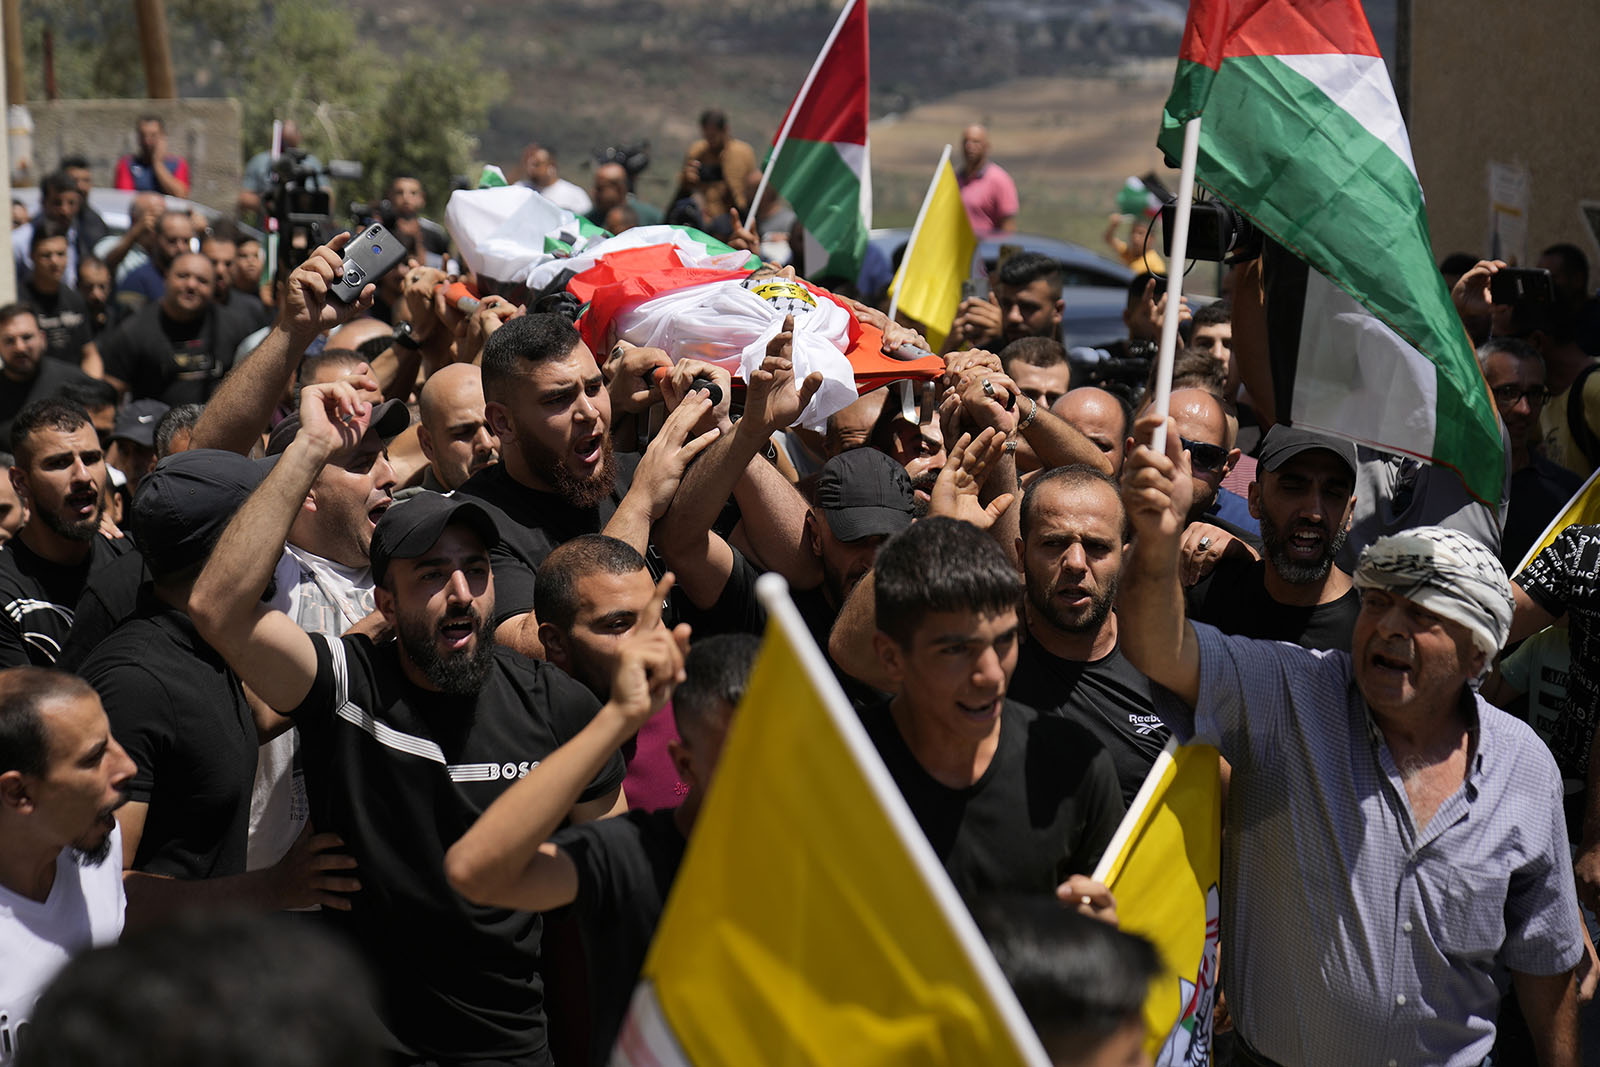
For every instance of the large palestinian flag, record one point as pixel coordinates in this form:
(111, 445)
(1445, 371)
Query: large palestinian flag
(821, 168)
(1302, 133)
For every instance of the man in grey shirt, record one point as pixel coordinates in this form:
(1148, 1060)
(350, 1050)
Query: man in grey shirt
(1396, 845)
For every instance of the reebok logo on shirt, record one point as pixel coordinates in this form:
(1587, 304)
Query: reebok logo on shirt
(1145, 725)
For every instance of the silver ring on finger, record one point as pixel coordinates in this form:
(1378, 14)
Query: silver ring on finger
(988, 387)
(1205, 543)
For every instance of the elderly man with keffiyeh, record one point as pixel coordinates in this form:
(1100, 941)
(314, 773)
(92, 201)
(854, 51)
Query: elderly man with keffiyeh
(1396, 845)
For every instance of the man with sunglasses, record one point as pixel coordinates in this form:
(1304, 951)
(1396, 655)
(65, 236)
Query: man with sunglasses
(1207, 436)
(1539, 487)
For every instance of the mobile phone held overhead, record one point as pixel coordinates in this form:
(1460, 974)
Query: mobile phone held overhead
(369, 256)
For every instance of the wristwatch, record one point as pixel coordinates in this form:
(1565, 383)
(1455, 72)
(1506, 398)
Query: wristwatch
(403, 336)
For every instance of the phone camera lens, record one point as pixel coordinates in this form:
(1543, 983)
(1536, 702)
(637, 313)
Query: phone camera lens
(352, 275)
(377, 250)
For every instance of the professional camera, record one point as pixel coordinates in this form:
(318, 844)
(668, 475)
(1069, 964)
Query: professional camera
(299, 206)
(633, 157)
(1217, 233)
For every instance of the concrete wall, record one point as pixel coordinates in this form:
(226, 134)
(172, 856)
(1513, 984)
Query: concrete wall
(205, 132)
(1512, 83)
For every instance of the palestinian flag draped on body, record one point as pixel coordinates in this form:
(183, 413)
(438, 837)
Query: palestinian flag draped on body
(821, 166)
(1302, 133)
(810, 923)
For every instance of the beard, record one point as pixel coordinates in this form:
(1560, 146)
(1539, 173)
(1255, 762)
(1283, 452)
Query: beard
(73, 529)
(96, 854)
(1085, 620)
(460, 673)
(1299, 571)
(579, 492)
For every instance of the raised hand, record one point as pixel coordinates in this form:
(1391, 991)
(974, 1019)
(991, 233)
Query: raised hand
(661, 469)
(308, 306)
(1156, 487)
(650, 662)
(333, 417)
(955, 491)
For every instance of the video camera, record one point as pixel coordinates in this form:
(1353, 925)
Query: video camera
(633, 157)
(1217, 233)
(299, 206)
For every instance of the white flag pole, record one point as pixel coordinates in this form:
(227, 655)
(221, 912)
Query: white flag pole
(916, 231)
(1180, 249)
(799, 101)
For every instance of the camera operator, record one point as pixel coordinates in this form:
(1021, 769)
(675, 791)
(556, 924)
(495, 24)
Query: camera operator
(259, 176)
(716, 167)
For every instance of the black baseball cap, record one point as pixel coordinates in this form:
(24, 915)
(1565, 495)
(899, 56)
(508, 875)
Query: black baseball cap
(1283, 443)
(864, 493)
(411, 526)
(183, 505)
(136, 422)
(388, 418)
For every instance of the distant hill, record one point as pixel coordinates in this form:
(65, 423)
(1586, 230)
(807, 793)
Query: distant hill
(590, 73)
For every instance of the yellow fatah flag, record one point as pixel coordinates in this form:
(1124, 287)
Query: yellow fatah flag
(1582, 510)
(1162, 867)
(938, 258)
(810, 922)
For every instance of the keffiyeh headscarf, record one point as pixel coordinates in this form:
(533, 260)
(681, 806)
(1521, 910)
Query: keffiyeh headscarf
(1449, 574)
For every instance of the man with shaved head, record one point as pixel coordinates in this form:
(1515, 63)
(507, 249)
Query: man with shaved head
(177, 348)
(453, 434)
(1100, 417)
(987, 191)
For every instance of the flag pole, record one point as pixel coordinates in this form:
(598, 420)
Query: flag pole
(916, 231)
(1180, 250)
(773, 593)
(794, 108)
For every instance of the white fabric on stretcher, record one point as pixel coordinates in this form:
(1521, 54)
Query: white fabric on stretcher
(728, 325)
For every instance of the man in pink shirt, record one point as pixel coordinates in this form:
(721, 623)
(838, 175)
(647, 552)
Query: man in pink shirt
(987, 191)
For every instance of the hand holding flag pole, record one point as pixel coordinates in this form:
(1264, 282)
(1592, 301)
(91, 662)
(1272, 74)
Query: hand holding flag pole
(1180, 249)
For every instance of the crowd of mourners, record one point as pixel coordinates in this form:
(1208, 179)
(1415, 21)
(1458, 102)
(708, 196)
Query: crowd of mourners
(420, 630)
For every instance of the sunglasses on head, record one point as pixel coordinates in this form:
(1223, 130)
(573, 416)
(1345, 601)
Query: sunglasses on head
(1205, 457)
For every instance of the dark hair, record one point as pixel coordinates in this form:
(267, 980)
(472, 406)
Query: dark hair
(1457, 263)
(630, 216)
(58, 181)
(12, 311)
(223, 229)
(182, 417)
(714, 118)
(51, 413)
(46, 230)
(75, 163)
(24, 745)
(1192, 370)
(245, 990)
(716, 671)
(1069, 477)
(521, 342)
(1573, 261)
(90, 394)
(1078, 980)
(1215, 313)
(95, 261)
(940, 564)
(555, 586)
(342, 357)
(1025, 268)
(1035, 352)
(142, 119)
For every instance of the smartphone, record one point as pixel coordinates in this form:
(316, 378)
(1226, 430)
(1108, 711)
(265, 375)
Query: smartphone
(975, 288)
(1521, 286)
(369, 256)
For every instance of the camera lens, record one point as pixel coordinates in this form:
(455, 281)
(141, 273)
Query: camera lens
(352, 275)
(377, 250)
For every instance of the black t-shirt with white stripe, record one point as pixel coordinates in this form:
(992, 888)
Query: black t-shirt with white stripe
(400, 773)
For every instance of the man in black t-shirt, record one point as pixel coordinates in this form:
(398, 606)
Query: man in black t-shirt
(25, 374)
(1071, 544)
(405, 744)
(62, 313)
(1304, 497)
(182, 715)
(616, 872)
(178, 348)
(1010, 800)
(559, 474)
(60, 474)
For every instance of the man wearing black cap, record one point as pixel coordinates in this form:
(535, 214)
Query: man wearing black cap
(406, 743)
(1303, 495)
(133, 440)
(182, 715)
